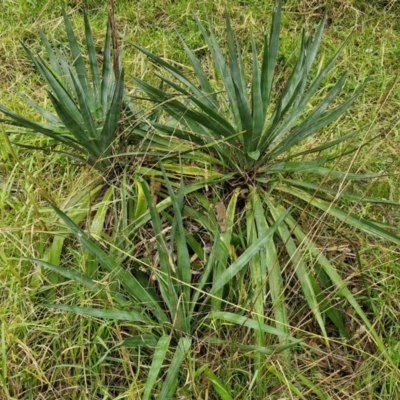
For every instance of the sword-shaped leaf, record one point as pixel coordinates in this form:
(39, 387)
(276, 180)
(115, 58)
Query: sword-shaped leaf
(244, 258)
(131, 284)
(110, 128)
(156, 365)
(79, 63)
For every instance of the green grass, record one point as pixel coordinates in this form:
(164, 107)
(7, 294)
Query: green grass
(53, 354)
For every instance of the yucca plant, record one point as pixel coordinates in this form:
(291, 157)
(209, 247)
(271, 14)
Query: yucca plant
(86, 104)
(252, 136)
(227, 243)
(175, 309)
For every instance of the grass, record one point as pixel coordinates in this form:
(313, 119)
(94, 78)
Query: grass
(52, 354)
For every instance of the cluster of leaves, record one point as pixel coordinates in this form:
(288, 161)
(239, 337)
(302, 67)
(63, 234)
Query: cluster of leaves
(244, 143)
(87, 109)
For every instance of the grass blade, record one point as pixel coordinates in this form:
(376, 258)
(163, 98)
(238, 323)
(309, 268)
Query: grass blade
(270, 268)
(102, 313)
(132, 285)
(334, 193)
(362, 224)
(243, 260)
(80, 278)
(340, 284)
(225, 219)
(307, 281)
(167, 274)
(149, 341)
(249, 323)
(171, 380)
(218, 386)
(96, 229)
(156, 365)
(183, 258)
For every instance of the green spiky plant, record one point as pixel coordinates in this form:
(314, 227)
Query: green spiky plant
(171, 313)
(87, 100)
(255, 235)
(86, 105)
(242, 130)
(253, 137)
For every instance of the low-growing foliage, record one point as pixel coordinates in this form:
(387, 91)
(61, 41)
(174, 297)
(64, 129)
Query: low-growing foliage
(254, 138)
(87, 109)
(210, 232)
